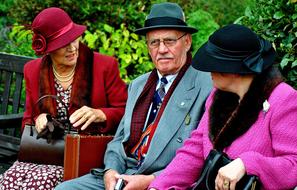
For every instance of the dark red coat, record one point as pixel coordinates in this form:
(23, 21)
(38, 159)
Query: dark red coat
(109, 92)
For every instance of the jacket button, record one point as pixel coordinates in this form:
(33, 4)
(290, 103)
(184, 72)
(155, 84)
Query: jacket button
(179, 139)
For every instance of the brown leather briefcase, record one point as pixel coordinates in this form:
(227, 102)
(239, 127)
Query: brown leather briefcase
(82, 153)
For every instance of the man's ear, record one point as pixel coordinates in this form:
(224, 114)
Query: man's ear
(188, 41)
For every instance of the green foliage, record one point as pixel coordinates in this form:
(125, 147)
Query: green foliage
(276, 21)
(114, 39)
(224, 12)
(5, 21)
(205, 24)
(88, 12)
(111, 25)
(18, 41)
(130, 51)
(4, 8)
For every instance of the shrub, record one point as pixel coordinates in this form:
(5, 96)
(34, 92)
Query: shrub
(109, 25)
(127, 47)
(224, 12)
(4, 8)
(276, 21)
(205, 24)
(88, 12)
(18, 41)
(131, 52)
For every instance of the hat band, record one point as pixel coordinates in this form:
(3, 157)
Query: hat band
(164, 21)
(252, 60)
(224, 54)
(60, 32)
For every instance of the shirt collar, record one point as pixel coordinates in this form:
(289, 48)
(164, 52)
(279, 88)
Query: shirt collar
(170, 78)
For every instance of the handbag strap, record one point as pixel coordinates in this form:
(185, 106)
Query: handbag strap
(216, 158)
(211, 160)
(56, 98)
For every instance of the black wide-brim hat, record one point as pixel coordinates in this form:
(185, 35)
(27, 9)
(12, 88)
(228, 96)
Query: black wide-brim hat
(234, 49)
(166, 15)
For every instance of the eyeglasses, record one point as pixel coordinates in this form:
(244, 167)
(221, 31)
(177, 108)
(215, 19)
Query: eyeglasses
(168, 42)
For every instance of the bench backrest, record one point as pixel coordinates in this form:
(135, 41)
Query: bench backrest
(11, 83)
(11, 106)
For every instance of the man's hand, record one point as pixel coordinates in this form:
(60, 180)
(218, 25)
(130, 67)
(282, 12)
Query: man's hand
(110, 179)
(136, 182)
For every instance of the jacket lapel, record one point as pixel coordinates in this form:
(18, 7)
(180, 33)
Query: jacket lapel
(132, 99)
(173, 116)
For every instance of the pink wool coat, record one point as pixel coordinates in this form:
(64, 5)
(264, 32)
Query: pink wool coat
(268, 149)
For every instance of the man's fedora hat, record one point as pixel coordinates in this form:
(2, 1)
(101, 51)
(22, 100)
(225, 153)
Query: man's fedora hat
(165, 15)
(53, 29)
(234, 49)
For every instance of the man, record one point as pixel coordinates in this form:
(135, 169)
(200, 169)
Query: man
(154, 125)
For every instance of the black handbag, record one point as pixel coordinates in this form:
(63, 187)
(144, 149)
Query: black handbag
(46, 147)
(214, 161)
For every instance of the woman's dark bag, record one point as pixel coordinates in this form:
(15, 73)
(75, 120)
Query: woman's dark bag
(47, 147)
(214, 161)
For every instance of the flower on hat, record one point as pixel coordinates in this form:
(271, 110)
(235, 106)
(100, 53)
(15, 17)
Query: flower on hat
(266, 106)
(38, 44)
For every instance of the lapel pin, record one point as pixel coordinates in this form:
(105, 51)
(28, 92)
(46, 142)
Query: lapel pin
(188, 119)
(266, 106)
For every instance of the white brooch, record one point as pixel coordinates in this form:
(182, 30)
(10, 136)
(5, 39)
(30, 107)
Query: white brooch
(266, 106)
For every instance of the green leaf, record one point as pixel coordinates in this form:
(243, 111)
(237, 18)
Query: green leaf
(294, 64)
(284, 62)
(108, 28)
(134, 36)
(126, 33)
(278, 15)
(294, 16)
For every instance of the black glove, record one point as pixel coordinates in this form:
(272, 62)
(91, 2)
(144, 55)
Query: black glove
(54, 129)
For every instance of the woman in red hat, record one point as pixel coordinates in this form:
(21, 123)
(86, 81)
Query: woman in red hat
(88, 83)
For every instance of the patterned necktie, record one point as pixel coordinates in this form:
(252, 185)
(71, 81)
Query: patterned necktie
(157, 100)
(161, 89)
(140, 149)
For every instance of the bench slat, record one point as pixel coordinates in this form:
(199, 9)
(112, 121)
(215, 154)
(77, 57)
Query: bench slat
(11, 103)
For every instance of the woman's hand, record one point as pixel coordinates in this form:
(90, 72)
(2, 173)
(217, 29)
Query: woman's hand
(40, 122)
(229, 175)
(86, 115)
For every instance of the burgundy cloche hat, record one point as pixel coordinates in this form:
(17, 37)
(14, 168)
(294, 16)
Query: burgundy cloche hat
(53, 29)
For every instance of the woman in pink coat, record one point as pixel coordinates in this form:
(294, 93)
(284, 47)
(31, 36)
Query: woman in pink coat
(251, 115)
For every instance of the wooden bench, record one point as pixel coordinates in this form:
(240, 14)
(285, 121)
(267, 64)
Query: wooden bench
(11, 106)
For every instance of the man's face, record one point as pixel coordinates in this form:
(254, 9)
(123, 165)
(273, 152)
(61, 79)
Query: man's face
(168, 49)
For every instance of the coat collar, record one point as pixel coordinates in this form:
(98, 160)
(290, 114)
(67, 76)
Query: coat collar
(230, 119)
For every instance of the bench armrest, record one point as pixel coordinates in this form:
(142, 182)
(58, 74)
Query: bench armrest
(11, 121)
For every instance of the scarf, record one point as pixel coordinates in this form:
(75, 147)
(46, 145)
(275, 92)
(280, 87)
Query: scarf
(143, 103)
